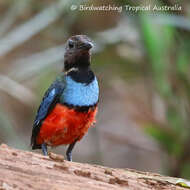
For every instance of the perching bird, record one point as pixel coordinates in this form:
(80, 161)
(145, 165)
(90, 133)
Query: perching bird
(69, 106)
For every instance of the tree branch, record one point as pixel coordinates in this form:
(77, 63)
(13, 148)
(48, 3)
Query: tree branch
(29, 171)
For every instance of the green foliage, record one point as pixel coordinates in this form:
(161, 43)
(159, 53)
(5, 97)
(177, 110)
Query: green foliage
(182, 63)
(158, 41)
(169, 70)
(167, 139)
(186, 170)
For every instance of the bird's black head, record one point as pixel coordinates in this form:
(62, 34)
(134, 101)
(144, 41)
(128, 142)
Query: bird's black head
(77, 54)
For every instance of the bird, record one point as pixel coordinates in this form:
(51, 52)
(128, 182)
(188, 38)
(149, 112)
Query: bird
(69, 106)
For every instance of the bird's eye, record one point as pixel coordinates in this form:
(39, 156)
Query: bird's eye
(71, 44)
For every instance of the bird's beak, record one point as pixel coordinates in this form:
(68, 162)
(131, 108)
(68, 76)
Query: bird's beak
(87, 45)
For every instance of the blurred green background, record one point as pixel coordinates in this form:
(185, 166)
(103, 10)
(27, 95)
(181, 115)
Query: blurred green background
(142, 61)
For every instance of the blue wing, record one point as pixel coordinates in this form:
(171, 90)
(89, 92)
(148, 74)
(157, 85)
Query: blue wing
(49, 101)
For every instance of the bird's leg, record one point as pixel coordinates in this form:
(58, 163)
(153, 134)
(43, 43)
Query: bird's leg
(44, 149)
(69, 151)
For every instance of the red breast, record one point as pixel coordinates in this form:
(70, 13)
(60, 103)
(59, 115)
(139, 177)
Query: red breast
(64, 125)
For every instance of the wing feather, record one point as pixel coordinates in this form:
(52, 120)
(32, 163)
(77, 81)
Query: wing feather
(49, 101)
